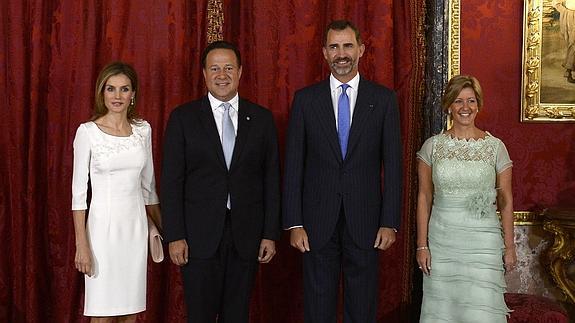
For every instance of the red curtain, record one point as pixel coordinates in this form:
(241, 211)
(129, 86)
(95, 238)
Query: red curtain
(51, 52)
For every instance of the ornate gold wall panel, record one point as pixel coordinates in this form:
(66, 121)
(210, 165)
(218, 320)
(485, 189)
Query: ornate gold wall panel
(454, 42)
(215, 18)
(561, 223)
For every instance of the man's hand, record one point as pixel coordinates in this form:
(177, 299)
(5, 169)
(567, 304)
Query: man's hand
(384, 239)
(179, 252)
(298, 239)
(267, 251)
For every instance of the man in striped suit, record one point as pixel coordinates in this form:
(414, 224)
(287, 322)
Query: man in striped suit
(342, 133)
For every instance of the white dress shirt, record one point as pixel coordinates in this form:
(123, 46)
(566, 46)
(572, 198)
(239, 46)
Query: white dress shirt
(218, 112)
(335, 87)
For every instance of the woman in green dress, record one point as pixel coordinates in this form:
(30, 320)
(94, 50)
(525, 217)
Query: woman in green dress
(463, 248)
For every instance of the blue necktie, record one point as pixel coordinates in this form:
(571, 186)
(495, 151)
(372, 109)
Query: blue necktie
(343, 119)
(228, 139)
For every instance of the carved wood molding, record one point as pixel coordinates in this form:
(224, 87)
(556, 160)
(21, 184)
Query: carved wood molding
(527, 218)
(561, 223)
(454, 38)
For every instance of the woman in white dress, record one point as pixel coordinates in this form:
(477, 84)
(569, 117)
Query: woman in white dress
(113, 153)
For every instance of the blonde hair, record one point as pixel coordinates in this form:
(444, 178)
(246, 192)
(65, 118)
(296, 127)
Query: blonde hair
(456, 85)
(113, 69)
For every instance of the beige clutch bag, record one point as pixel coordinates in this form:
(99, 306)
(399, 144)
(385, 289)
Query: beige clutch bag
(156, 250)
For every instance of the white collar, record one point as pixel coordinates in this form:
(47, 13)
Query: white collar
(335, 83)
(215, 103)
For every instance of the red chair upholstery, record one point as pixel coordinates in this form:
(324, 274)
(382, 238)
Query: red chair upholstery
(534, 309)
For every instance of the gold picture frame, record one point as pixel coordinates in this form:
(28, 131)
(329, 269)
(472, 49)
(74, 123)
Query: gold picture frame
(547, 82)
(453, 38)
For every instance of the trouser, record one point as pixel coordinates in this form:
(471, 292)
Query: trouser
(218, 289)
(322, 270)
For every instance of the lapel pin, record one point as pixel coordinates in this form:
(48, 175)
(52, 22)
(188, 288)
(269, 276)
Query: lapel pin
(371, 106)
(248, 118)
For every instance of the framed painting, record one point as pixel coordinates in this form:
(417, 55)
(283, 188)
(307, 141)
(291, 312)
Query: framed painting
(548, 74)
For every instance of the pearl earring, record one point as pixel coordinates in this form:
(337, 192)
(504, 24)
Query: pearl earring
(132, 102)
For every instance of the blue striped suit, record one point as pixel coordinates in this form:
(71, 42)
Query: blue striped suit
(342, 202)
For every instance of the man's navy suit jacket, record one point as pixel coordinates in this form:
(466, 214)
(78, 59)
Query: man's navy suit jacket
(195, 180)
(318, 181)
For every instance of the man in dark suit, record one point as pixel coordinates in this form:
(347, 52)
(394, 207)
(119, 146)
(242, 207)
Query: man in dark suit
(340, 134)
(220, 191)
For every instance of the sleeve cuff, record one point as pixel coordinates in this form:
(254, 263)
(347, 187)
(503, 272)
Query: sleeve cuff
(295, 226)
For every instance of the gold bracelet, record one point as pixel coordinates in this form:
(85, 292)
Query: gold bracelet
(422, 248)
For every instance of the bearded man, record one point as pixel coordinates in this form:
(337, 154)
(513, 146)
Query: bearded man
(342, 133)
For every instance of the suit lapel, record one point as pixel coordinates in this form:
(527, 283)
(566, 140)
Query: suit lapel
(244, 125)
(361, 113)
(209, 124)
(326, 118)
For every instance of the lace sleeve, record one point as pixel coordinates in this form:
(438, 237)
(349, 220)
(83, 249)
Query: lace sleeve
(425, 152)
(502, 160)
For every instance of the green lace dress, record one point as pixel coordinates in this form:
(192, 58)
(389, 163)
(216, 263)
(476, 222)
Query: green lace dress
(465, 236)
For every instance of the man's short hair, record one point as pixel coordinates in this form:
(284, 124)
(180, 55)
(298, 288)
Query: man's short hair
(341, 25)
(221, 44)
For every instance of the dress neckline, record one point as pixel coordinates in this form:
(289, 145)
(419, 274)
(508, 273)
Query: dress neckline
(452, 137)
(114, 136)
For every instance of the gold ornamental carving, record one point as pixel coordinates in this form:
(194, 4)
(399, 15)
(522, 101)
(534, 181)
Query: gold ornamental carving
(561, 223)
(454, 33)
(527, 218)
(215, 17)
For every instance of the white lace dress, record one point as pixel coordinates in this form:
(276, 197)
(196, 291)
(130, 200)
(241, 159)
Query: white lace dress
(121, 173)
(465, 236)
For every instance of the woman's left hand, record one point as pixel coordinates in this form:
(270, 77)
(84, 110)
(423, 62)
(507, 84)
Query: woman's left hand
(509, 258)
